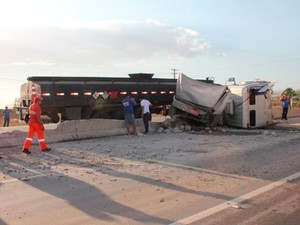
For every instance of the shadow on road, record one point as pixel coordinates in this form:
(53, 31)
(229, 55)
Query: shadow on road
(85, 197)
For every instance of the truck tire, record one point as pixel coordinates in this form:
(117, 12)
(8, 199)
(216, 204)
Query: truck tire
(138, 112)
(100, 115)
(87, 113)
(118, 115)
(172, 111)
(54, 118)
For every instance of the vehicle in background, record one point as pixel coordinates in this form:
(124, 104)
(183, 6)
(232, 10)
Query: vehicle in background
(295, 101)
(72, 98)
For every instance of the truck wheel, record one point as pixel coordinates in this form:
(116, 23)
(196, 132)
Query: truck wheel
(87, 113)
(119, 115)
(138, 113)
(100, 115)
(54, 118)
(172, 111)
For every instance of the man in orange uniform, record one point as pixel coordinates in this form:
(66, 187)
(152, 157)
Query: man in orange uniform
(35, 126)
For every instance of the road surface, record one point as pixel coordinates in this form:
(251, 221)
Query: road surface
(207, 177)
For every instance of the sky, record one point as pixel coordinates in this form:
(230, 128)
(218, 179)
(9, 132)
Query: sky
(248, 40)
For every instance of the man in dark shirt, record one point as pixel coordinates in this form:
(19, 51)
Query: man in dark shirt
(6, 116)
(286, 104)
(128, 109)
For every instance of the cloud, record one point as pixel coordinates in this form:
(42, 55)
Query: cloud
(99, 43)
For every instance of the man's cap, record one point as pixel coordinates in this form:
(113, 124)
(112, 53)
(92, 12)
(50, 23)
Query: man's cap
(36, 99)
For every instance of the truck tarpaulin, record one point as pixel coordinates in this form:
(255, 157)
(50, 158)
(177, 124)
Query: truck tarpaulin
(209, 98)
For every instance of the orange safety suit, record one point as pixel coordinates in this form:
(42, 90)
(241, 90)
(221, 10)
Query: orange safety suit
(35, 126)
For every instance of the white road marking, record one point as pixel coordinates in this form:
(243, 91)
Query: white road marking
(200, 215)
(199, 169)
(218, 208)
(26, 177)
(34, 171)
(23, 167)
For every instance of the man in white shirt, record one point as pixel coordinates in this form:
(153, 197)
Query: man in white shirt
(146, 114)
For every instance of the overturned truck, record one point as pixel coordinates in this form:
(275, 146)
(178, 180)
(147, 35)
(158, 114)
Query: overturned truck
(199, 101)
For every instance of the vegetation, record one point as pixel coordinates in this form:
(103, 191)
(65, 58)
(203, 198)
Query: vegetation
(294, 95)
(297, 93)
(291, 92)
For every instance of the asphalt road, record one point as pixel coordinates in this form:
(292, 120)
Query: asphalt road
(208, 177)
(279, 206)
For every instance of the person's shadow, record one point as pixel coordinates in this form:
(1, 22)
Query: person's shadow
(2, 222)
(85, 197)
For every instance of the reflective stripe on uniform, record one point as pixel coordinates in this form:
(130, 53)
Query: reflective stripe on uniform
(40, 140)
(29, 139)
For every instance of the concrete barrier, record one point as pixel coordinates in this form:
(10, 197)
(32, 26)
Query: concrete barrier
(69, 130)
(85, 129)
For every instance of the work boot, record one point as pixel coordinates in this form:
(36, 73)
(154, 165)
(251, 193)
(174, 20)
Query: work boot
(26, 151)
(46, 150)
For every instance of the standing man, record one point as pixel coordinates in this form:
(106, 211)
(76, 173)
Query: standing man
(128, 104)
(35, 126)
(146, 114)
(6, 116)
(285, 104)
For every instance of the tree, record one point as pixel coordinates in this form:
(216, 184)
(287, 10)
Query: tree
(297, 93)
(289, 92)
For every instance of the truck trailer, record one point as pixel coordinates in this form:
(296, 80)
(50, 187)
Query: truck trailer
(73, 98)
